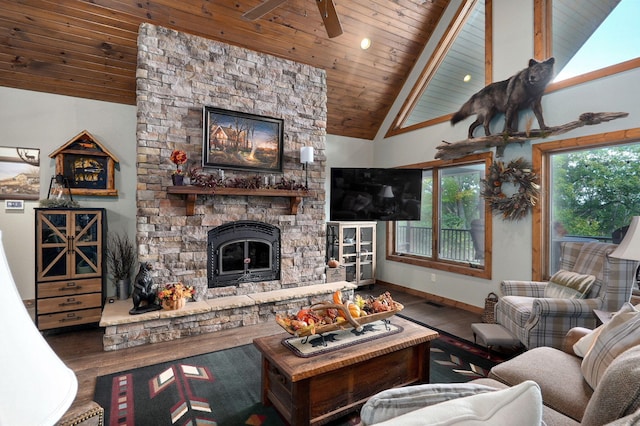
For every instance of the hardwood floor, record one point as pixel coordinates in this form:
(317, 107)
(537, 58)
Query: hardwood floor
(82, 350)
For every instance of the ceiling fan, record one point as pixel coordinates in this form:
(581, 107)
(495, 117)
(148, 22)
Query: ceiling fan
(326, 7)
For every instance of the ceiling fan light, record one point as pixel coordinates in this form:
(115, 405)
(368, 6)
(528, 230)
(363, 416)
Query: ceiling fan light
(365, 43)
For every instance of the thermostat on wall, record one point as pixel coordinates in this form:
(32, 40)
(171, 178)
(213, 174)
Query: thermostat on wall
(14, 204)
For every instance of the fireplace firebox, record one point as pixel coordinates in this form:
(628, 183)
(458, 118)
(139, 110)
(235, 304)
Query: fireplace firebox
(243, 251)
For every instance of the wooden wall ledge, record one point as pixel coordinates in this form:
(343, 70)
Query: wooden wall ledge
(191, 193)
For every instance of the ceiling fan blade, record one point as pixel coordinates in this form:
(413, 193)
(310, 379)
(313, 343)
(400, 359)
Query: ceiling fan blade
(330, 17)
(262, 9)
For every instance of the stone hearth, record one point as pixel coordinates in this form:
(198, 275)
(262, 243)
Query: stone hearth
(125, 331)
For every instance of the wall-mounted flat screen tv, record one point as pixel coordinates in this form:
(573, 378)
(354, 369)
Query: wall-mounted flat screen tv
(375, 194)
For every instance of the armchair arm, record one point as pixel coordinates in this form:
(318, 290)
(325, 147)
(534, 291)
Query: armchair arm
(573, 335)
(522, 288)
(575, 308)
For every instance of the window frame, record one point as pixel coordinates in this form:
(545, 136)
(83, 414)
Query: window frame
(541, 211)
(542, 48)
(436, 59)
(442, 264)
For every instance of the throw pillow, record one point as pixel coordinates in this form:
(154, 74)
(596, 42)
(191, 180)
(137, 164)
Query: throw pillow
(617, 394)
(619, 334)
(394, 402)
(582, 346)
(569, 285)
(518, 405)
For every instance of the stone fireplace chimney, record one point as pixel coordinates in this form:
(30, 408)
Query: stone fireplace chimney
(178, 74)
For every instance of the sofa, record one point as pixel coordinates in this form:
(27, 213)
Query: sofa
(593, 379)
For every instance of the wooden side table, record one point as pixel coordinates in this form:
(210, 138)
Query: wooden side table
(315, 390)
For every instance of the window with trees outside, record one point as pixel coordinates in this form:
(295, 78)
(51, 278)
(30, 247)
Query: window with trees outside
(454, 229)
(593, 192)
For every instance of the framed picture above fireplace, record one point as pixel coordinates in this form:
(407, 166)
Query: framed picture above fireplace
(236, 140)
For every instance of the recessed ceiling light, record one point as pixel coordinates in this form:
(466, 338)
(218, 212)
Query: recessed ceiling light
(365, 43)
(467, 78)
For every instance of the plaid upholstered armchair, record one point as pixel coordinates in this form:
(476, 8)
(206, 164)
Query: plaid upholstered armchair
(538, 321)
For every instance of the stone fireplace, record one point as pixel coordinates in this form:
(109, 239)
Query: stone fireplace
(242, 251)
(178, 74)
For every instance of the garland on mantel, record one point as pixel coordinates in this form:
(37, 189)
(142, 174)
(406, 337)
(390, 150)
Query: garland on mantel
(518, 172)
(207, 180)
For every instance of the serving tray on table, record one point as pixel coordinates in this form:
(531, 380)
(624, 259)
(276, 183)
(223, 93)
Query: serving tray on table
(348, 322)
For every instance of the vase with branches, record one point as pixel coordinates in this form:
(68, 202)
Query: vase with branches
(121, 258)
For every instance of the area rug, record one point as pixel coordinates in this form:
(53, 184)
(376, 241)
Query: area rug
(223, 388)
(218, 388)
(328, 342)
(456, 360)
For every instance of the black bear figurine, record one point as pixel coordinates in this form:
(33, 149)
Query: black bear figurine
(143, 291)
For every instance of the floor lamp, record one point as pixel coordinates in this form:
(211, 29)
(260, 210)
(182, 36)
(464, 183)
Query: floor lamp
(629, 247)
(37, 388)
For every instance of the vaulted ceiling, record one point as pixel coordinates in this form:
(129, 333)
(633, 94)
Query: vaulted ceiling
(87, 48)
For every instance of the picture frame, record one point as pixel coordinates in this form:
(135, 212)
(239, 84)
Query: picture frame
(19, 173)
(241, 141)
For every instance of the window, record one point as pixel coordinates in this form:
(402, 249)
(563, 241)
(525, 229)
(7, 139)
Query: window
(594, 190)
(589, 38)
(454, 229)
(455, 71)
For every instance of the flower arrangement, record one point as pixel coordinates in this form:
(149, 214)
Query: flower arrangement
(178, 157)
(175, 291)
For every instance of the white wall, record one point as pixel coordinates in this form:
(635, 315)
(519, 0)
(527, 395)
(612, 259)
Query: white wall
(513, 47)
(38, 120)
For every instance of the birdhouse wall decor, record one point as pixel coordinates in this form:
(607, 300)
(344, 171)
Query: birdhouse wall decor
(87, 165)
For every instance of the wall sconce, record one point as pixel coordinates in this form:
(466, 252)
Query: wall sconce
(59, 188)
(306, 157)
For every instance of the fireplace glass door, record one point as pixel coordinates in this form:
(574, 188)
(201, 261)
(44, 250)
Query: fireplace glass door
(245, 257)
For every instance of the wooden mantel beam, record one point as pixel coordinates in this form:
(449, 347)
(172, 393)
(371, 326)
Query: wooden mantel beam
(191, 193)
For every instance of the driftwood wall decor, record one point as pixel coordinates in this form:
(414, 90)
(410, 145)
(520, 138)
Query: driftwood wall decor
(453, 150)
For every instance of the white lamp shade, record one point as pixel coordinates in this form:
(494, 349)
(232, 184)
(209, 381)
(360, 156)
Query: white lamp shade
(629, 247)
(306, 154)
(387, 191)
(37, 388)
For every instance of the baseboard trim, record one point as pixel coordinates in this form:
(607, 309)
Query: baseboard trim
(433, 298)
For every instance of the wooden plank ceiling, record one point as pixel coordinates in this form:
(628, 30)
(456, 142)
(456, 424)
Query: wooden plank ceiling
(87, 48)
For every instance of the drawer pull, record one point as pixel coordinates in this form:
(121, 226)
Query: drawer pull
(71, 301)
(71, 317)
(70, 285)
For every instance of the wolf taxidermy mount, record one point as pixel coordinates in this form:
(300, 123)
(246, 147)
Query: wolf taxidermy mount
(521, 91)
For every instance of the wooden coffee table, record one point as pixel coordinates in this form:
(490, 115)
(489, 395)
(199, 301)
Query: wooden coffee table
(315, 390)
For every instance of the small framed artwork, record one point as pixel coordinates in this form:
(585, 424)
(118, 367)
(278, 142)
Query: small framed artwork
(236, 140)
(19, 173)
(87, 164)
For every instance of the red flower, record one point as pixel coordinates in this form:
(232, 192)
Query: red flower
(178, 157)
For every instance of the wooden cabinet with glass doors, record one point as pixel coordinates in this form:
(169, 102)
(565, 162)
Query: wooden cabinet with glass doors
(353, 244)
(69, 266)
